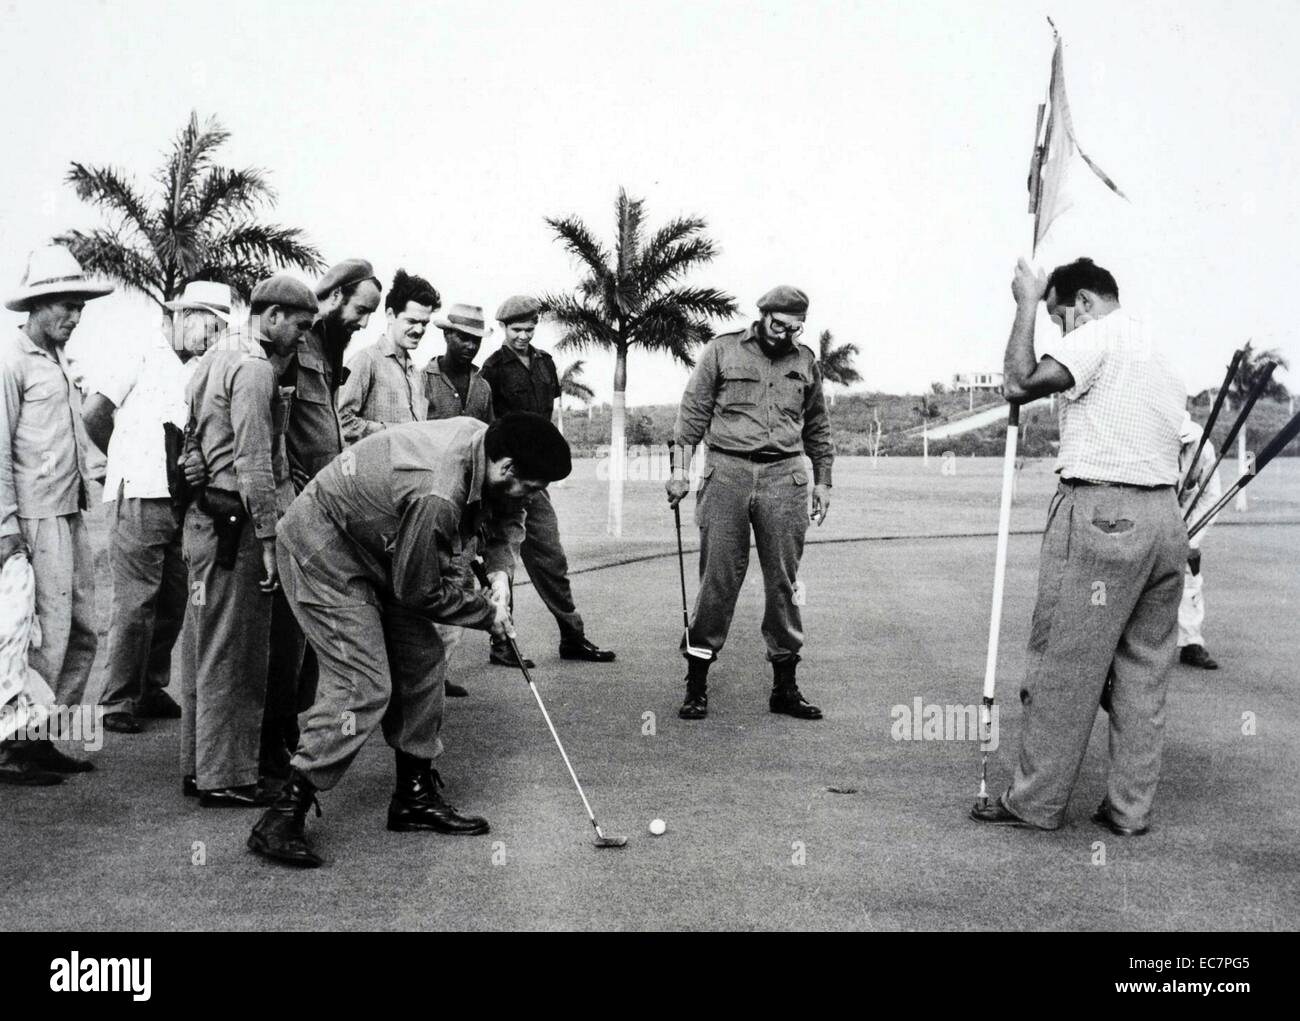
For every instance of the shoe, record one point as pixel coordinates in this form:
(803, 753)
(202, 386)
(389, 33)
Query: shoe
(696, 705)
(503, 656)
(417, 805)
(453, 690)
(45, 755)
(122, 722)
(158, 706)
(190, 786)
(1195, 655)
(999, 815)
(281, 833)
(790, 702)
(248, 796)
(1102, 818)
(22, 771)
(579, 648)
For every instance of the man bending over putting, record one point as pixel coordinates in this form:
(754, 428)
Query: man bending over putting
(367, 558)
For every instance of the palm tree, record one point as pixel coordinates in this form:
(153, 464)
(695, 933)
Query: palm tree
(836, 363)
(571, 385)
(1251, 369)
(633, 297)
(202, 226)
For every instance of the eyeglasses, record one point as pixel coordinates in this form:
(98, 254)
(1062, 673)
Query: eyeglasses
(784, 329)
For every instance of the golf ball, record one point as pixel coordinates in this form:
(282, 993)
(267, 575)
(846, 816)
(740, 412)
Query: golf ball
(657, 827)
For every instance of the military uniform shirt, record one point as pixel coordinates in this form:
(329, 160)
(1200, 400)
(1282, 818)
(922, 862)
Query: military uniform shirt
(238, 413)
(383, 388)
(740, 400)
(314, 437)
(516, 387)
(408, 501)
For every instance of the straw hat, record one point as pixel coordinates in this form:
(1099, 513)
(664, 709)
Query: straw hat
(53, 271)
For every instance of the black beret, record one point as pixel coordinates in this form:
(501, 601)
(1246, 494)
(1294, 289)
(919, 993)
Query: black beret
(349, 271)
(284, 290)
(532, 443)
(521, 306)
(784, 299)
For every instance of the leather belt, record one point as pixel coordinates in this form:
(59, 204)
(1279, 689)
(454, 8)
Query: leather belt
(1075, 483)
(758, 456)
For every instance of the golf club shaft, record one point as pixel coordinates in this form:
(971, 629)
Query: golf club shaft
(514, 649)
(1214, 413)
(1275, 446)
(681, 564)
(1255, 392)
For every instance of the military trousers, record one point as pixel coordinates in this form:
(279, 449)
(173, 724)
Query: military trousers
(224, 647)
(737, 497)
(547, 566)
(149, 597)
(1109, 583)
(380, 665)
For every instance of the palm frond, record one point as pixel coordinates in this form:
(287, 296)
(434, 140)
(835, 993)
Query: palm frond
(571, 384)
(670, 263)
(224, 193)
(574, 235)
(191, 153)
(583, 325)
(247, 241)
(703, 302)
(107, 254)
(108, 189)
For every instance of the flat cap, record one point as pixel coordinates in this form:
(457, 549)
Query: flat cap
(349, 271)
(283, 289)
(784, 299)
(519, 307)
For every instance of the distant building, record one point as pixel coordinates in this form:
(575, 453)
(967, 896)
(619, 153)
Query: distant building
(976, 381)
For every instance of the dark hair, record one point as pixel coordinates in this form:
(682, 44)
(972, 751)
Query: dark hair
(1081, 275)
(532, 443)
(408, 287)
(258, 307)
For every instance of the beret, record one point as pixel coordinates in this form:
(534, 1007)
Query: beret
(283, 289)
(349, 271)
(784, 299)
(519, 307)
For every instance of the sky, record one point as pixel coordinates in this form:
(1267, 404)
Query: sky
(874, 154)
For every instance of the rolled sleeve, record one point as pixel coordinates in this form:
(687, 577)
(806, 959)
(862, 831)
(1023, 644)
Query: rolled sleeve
(252, 390)
(1082, 352)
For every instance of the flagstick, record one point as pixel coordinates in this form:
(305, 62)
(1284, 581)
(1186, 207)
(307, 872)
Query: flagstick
(999, 581)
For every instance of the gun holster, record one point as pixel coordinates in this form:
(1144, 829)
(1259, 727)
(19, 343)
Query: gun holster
(229, 517)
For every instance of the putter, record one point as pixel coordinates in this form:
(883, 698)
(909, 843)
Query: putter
(681, 571)
(602, 840)
(1255, 393)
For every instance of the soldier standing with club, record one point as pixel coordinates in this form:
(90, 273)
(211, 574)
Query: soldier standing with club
(755, 399)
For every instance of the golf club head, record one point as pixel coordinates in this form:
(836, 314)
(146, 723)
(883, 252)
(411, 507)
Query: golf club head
(604, 841)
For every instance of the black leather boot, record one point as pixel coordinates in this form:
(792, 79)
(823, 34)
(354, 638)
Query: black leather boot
(696, 705)
(281, 833)
(786, 697)
(417, 805)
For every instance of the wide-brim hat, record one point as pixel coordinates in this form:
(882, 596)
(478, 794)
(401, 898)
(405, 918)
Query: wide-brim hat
(53, 271)
(463, 318)
(206, 296)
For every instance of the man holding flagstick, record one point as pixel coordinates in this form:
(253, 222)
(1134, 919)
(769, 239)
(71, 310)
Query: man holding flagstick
(1111, 572)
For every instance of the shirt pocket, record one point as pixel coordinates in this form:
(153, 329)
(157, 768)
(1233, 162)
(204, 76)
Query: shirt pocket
(41, 388)
(792, 389)
(311, 382)
(741, 387)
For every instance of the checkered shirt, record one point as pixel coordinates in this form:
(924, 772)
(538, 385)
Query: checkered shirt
(1121, 420)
